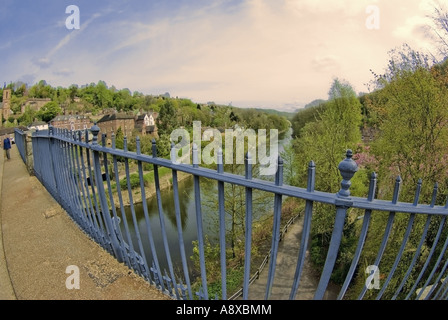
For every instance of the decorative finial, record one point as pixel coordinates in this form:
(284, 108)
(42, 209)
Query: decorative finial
(95, 130)
(347, 168)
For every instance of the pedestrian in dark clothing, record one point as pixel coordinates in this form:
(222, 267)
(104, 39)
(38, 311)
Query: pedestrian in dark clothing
(7, 147)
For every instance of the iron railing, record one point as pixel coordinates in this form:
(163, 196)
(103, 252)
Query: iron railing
(20, 140)
(79, 175)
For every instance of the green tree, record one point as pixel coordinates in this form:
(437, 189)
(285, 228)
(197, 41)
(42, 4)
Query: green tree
(414, 131)
(27, 117)
(166, 121)
(73, 92)
(412, 144)
(304, 116)
(325, 141)
(41, 90)
(102, 97)
(49, 111)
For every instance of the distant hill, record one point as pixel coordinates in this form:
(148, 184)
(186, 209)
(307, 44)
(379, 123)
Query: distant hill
(287, 115)
(314, 103)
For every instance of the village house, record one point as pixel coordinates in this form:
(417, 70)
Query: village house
(146, 123)
(38, 125)
(71, 122)
(110, 123)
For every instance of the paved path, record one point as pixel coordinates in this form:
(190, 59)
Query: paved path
(285, 270)
(38, 241)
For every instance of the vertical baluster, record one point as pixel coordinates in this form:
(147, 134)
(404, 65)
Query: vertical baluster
(305, 232)
(444, 287)
(89, 207)
(131, 205)
(155, 262)
(60, 172)
(428, 260)
(419, 247)
(441, 254)
(84, 204)
(362, 237)
(102, 195)
(50, 170)
(248, 227)
(405, 240)
(390, 222)
(96, 206)
(146, 272)
(275, 229)
(48, 175)
(75, 185)
(70, 184)
(162, 218)
(93, 198)
(115, 219)
(179, 224)
(347, 168)
(414, 259)
(434, 270)
(130, 257)
(222, 228)
(197, 201)
(47, 167)
(438, 283)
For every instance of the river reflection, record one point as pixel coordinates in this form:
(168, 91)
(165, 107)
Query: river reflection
(187, 219)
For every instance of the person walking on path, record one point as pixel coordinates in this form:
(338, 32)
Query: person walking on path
(7, 147)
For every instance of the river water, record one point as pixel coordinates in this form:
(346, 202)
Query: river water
(188, 219)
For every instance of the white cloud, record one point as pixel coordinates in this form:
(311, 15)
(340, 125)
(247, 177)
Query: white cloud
(65, 72)
(43, 63)
(257, 53)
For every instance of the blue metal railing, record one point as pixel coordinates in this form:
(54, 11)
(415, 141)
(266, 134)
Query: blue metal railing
(78, 174)
(20, 140)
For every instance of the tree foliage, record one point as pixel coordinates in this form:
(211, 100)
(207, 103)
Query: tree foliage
(49, 111)
(414, 120)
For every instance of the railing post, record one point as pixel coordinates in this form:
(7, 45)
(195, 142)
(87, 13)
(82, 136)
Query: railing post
(306, 230)
(347, 168)
(276, 237)
(29, 153)
(222, 227)
(197, 202)
(248, 227)
(52, 169)
(102, 194)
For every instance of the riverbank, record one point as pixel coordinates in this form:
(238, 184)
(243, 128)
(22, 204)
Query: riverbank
(165, 182)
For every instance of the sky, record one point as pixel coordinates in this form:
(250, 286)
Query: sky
(278, 54)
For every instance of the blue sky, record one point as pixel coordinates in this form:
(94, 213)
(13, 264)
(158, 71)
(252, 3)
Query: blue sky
(251, 53)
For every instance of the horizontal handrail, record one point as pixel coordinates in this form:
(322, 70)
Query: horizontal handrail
(74, 172)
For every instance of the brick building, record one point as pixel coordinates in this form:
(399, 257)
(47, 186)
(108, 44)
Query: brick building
(110, 123)
(72, 122)
(146, 123)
